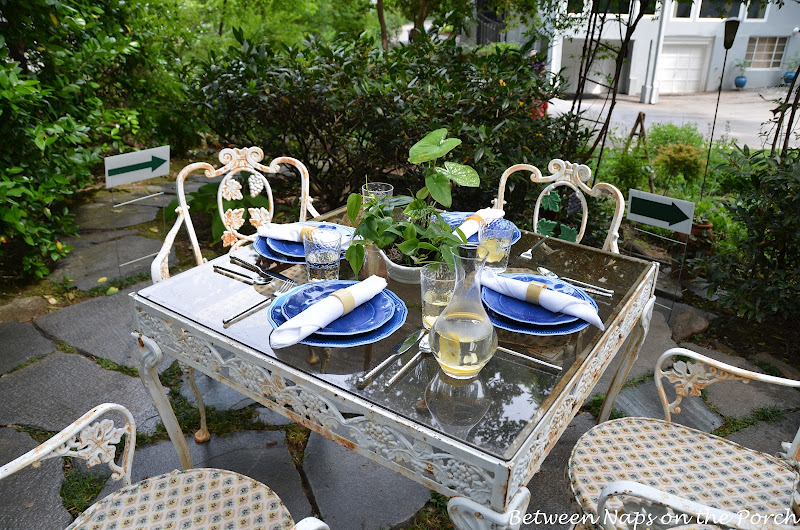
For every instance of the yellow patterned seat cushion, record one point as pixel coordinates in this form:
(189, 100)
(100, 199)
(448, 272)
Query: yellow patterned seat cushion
(211, 499)
(686, 462)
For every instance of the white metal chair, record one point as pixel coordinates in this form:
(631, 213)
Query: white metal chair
(663, 474)
(193, 498)
(238, 164)
(573, 176)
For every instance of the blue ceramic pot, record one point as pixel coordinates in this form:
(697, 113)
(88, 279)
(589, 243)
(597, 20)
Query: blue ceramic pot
(788, 77)
(740, 81)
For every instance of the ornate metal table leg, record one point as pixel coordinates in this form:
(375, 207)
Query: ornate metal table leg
(313, 358)
(629, 357)
(202, 435)
(151, 355)
(469, 515)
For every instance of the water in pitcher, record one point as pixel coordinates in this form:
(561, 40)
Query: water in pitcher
(463, 343)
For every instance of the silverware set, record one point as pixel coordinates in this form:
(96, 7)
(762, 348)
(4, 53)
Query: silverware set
(264, 277)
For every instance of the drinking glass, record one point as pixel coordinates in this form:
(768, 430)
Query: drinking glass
(322, 249)
(437, 282)
(494, 240)
(376, 190)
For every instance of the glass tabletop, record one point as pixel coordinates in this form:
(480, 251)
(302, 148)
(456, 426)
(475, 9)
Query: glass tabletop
(494, 413)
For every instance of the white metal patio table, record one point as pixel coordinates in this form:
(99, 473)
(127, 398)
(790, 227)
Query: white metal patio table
(483, 467)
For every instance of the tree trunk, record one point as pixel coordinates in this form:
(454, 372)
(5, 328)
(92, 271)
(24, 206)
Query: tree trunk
(382, 21)
(222, 17)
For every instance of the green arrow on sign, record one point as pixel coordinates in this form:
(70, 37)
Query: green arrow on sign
(154, 164)
(669, 213)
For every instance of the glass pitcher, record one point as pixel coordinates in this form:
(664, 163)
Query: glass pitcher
(463, 339)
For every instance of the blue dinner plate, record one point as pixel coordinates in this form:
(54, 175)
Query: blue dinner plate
(368, 316)
(295, 250)
(532, 329)
(276, 318)
(456, 219)
(522, 311)
(262, 249)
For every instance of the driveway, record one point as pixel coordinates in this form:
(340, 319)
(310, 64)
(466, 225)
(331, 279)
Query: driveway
(742, 113)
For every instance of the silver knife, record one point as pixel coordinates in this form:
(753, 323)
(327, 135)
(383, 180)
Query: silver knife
(262, 271)
(398, 350)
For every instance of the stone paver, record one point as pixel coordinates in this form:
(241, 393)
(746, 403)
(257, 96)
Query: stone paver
(100, 216)
(687, 323)
(658, 341)
(261, 455)
(642, 401)
(767, 436)
(23, 309)
(52, 393)
(101, 327)
(19, 342)
(550, 492)
(215, 394)
(88, 263)
(736, 399)
(31, 498)
(354, 492)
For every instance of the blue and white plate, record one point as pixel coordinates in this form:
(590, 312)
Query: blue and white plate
(295, 250)
(262, 249)
(456, 219)
(276, 318)
(368, 316)
(532, 329)
(522, 311)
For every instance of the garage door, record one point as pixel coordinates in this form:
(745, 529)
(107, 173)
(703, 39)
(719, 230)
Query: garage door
(682, 68)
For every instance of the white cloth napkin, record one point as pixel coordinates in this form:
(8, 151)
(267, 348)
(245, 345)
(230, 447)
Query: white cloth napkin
(322, 313)
(471, 226)
(551, 300)
(284, 232)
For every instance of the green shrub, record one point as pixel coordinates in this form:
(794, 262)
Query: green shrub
(679, 160)
(54, 121)
(351, 111)
(756, 272)
(667, 133)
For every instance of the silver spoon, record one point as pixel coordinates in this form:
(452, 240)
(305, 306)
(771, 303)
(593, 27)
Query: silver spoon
(589, 288)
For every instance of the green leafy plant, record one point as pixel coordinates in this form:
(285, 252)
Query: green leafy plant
(756, 271)
(425, 237)
(742, 65)
(679, 160)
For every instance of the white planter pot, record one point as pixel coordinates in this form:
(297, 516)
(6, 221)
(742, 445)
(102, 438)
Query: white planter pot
(401, 273)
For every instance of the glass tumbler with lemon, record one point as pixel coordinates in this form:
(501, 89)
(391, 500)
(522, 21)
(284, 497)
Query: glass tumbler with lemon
(437, 282)
(463, 338)
(494, 238)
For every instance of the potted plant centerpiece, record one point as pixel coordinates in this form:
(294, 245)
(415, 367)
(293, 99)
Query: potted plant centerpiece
(742, 65)
(421, 235)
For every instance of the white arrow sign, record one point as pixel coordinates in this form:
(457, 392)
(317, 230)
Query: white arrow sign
(136, 166)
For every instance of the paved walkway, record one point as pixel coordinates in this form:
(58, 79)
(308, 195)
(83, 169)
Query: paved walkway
(50, 377)
(742, 113)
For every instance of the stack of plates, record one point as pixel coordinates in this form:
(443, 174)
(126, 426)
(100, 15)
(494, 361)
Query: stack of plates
(370, 322)
(293, 252)
(456, 219)
(511, 314)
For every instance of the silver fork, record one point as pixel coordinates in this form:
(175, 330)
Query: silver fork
(528, 254)
(283, 289)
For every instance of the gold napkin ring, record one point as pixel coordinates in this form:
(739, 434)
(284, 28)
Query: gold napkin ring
(346, 298)
(533, 292)
(306, 230)
(475, 217)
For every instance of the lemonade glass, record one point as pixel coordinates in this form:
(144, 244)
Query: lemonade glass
(494, 240)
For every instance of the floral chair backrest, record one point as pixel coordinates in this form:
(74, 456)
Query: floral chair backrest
(238, 163)
(574, 177)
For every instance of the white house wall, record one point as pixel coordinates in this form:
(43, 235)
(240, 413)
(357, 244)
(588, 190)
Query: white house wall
(705, 33)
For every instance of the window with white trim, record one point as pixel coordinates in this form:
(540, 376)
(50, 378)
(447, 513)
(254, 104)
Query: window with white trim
(765, 52)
